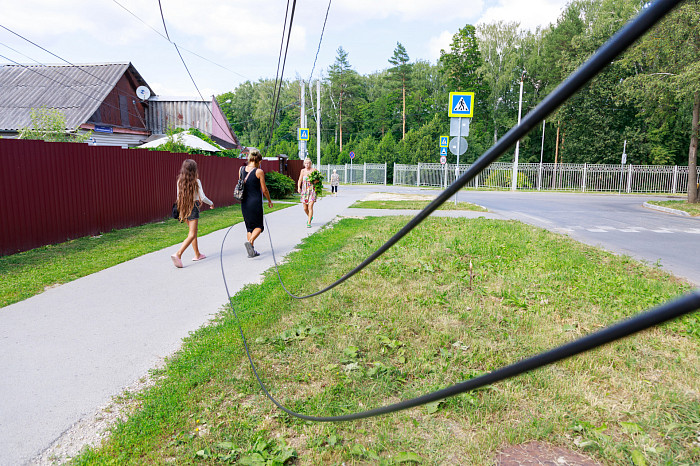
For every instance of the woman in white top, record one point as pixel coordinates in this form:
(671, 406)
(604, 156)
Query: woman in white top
(190, 195)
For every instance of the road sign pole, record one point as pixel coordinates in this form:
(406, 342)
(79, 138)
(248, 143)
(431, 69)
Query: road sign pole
(459, 147)
(514, 181)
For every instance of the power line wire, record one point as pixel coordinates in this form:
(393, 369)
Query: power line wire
(320, 40)
(685, 305)
(68, 86)
(181, 47)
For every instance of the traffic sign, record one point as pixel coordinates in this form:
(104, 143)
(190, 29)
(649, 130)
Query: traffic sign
(443, 159)
(458, 146)
(461, 104)
(303, 134)
(443, 151)
(352, 155)
(444, 141)
(459, 126)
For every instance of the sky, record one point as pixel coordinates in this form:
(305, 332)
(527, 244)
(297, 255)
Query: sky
(227, 42)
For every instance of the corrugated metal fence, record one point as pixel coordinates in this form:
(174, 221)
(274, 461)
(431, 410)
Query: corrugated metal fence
(52, 192)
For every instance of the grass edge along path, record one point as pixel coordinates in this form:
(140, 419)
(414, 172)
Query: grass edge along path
(418, 319)
(692, 209)
(416, 205)
(29, 273)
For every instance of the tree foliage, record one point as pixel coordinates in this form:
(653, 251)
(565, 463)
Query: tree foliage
(645, 97)
(49, 124)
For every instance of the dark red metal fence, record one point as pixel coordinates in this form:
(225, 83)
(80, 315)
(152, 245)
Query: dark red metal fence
(53, 192)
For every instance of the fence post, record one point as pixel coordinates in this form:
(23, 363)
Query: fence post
(629, 179)
(345, 174)
(583, 181)
(364, 172)
(675, 179)
(418, 175)
(385, 169)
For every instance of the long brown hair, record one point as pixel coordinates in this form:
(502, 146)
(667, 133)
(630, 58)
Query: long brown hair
(187, 188)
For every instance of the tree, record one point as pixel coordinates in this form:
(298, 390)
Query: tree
(666, 63)
(344, 84)
(461, 64)
(401, 71)
(49, 124)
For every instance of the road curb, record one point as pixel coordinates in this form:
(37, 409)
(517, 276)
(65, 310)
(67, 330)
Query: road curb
(668, 210)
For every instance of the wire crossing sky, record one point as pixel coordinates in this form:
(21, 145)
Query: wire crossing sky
(231, 43)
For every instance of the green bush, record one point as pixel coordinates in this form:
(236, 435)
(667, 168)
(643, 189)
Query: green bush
(279, 185)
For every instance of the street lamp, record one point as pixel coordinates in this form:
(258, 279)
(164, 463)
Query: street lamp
(514, 181)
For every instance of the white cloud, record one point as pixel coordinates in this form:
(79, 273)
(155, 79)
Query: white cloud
(437, 43)
(408, 10)
(529, 14)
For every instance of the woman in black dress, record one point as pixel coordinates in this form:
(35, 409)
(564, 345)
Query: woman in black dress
(251, 205)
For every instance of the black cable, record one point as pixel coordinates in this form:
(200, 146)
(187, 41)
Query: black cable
(320, 40)
(213, 118)
(163, 18)
(183, 48)
(603, 56)
(112, 85)
(31, 68)
(658, 315)
(281, 75)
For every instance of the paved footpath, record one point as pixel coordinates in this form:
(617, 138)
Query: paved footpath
(67, 351)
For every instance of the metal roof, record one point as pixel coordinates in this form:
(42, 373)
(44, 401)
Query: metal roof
(77, 91)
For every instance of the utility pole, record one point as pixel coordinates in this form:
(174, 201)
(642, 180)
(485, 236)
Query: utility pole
(302, 122)
(514, 181)
(318, 123)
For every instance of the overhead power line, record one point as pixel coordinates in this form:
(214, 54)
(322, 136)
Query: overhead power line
(181, 47)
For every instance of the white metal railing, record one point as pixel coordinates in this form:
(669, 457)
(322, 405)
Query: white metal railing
(554, 177)
(365, 173)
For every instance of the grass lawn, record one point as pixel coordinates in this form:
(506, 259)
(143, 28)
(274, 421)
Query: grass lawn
(416, 205)
(28, 273)
(692, 209)
(416, 320)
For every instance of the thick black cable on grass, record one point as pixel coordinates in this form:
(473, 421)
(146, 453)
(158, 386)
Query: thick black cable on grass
(643, 321)
(603, 56)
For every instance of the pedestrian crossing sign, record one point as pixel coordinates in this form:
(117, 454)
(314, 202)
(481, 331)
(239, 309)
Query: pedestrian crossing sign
(461, 104)
(303, 134)
(443, 151)
(444, 141)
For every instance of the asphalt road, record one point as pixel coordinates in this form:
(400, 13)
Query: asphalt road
(67, 351)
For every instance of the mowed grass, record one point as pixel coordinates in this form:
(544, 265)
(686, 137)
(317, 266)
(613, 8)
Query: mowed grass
(419, 319)
(416, 205)
(692, 209)
(29, 273)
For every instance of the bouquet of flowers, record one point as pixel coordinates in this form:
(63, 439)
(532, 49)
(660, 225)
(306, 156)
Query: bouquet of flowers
(316, 179)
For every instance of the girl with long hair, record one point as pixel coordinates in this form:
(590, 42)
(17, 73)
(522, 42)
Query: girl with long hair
(251, 205)
(190, 196)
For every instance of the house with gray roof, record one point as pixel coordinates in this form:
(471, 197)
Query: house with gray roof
(110, 99)
(98, 97)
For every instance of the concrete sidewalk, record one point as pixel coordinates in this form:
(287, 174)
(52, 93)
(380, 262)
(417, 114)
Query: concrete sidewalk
(69, 350)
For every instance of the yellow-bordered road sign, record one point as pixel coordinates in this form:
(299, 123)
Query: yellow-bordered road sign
(444, 141)
(461, 104)
(303, 134)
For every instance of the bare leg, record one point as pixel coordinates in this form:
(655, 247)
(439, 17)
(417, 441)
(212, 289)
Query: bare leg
(254, 235)
(306, 209)
(191, 239)
(310, 211)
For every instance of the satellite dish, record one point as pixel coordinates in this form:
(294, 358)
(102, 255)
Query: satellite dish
(143, 92)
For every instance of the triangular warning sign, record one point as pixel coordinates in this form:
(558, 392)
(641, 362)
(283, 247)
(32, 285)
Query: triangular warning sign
(461, 106)
(443, 151)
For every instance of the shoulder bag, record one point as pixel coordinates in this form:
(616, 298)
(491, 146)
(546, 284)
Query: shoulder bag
(239, 190)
